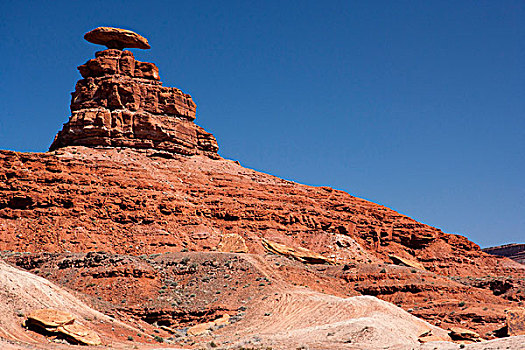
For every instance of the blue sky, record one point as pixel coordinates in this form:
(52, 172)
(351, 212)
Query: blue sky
(416, 105)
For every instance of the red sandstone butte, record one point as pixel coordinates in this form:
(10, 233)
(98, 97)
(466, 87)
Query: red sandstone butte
(122, 103)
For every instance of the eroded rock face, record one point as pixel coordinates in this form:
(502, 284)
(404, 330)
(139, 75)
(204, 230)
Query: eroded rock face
(515, 321)
(132, 202)
(514, 251)
(122, 103)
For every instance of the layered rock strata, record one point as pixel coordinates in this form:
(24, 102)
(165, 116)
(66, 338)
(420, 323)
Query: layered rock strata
(133, 202)
(122, 103)
(512, 251)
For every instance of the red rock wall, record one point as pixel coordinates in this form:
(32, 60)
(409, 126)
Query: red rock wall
(130, 202)
(136, 202)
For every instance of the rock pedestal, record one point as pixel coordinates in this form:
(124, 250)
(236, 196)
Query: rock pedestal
(122, 103)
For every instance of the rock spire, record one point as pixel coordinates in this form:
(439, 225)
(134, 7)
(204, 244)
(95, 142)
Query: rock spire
(120, 102)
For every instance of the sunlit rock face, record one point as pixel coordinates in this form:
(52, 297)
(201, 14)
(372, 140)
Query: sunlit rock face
(121, 103)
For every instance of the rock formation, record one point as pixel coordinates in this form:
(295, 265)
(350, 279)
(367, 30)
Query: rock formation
(512, 251)
(135, 211)
(62, 324)
(116, 38)
(122, 103)
(464, 335)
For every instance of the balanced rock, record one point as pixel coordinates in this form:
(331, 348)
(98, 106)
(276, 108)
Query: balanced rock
(122, 103)
(116, 38)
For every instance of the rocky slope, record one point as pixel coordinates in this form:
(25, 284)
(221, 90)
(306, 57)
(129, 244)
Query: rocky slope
(266, 311)
(22, 292)
(134, 210)
(124, 201)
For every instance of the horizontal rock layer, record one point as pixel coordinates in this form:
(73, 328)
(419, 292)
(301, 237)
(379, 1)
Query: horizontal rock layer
(513, 251)
(121, 103)
(123, 128)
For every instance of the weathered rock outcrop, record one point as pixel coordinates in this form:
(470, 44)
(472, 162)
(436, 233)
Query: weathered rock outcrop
(464, 335)
(122, 103)
(128, 201)
(512, 251)
(62, 324)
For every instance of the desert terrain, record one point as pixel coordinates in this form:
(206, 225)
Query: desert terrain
(135, 228)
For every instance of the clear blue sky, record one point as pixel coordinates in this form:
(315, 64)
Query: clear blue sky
(417, 105)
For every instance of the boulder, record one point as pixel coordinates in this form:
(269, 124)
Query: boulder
(429, 336)
(223, 321)
(464, 335)
(207, 326)
(200, 328)
(63, 325)
(80, 334)
(49, 318)
(116, 38)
